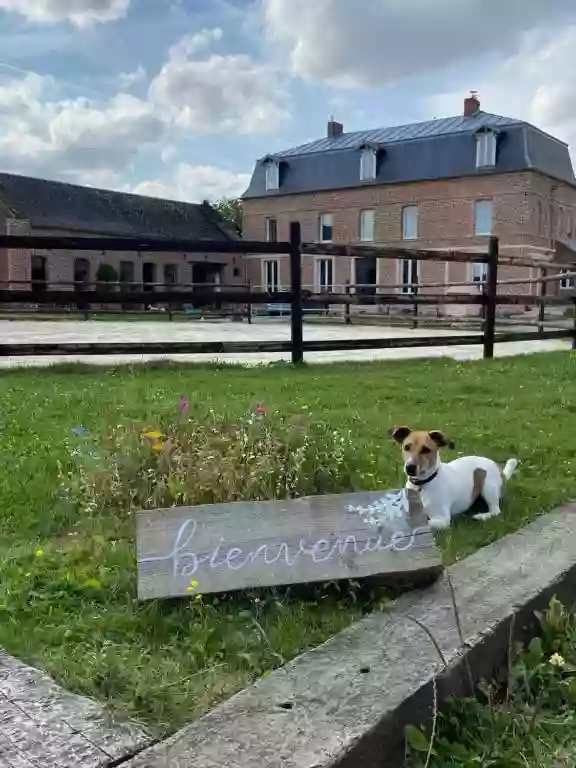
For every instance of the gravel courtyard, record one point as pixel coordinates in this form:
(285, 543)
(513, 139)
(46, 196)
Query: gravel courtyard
(23, 331)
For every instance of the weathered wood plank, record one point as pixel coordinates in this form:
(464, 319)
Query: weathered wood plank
(226, 547)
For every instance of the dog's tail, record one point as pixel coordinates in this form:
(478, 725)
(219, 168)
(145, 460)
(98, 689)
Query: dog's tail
(509, 469)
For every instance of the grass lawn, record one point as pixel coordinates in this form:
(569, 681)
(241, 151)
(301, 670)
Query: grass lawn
(67, 578)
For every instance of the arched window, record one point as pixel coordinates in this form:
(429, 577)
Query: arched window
(81, 270)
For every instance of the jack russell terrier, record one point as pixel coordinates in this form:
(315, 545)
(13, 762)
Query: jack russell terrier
(449, 489)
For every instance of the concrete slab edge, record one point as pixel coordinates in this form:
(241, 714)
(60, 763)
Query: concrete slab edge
(40, 721)
(346, 703)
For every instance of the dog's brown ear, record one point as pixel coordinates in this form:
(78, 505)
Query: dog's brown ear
(400, 433)
(441, 440)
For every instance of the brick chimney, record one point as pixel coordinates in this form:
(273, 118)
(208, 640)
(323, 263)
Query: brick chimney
(334, 129)
(471, 104)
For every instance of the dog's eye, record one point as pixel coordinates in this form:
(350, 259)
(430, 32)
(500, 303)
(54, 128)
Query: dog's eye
(408, 447)
(425, 449)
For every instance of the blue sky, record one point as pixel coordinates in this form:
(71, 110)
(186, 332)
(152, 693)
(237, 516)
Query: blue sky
(178, 98)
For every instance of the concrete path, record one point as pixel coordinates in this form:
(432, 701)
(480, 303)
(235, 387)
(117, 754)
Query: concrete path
(20, 331)
(44, 726)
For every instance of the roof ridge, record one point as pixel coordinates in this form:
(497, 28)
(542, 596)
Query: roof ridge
(344, 140)
(87, 188)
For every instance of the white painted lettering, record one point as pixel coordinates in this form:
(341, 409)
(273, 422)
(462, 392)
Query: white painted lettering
(185, 562)
(232, 555)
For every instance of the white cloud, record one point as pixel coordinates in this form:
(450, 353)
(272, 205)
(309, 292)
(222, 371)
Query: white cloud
(194, 183)
(41, 133)
(218, 93)
(537, 83)
(96, 141)
(81, 13)
(377, 42)
(128, 79)
(193, 43)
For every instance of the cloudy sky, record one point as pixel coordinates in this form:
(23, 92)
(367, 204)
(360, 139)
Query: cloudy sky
(178, 98)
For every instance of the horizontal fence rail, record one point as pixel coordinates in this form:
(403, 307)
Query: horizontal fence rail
(149, 244)
(297, 300)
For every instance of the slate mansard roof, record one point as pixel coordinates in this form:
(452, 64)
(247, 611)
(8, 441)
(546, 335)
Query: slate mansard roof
(56, 205)
(435, 149)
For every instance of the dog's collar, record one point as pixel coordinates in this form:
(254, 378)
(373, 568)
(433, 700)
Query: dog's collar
(420, 483)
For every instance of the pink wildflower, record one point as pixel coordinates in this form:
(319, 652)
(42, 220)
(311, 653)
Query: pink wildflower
(184, 404)
(260, 410)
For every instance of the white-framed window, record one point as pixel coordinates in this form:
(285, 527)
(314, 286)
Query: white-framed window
(272, 176)
(367, 226)
(479, 272)
(410, 222)
(485, 149)
(271, 230)
(325, 227)
(567, 283)
(367, 164)
(271, 275)
(408, 275)
(324, 275)
(483, 217)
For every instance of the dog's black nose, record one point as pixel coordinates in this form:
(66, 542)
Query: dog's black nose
(411, 470)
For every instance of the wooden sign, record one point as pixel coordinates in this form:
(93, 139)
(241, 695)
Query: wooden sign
(242, 545)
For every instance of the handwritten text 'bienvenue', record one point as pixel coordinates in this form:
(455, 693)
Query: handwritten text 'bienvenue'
(185, 562)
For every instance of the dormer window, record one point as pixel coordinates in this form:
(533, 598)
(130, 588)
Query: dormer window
(485, 148)
(367, 164)
(272, 175)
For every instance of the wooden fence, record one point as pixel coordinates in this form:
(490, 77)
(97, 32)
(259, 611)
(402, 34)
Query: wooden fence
(178, 295)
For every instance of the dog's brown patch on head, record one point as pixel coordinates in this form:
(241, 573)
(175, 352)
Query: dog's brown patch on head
(419, 448)
(400, 433)
(479, 478)
(441, 440)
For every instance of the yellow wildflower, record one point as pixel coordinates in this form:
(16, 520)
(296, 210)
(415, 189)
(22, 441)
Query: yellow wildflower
(93, 584)
(192, 586)
(266, 673)
(39, 553)
(556, 660)
(198, 598)
(154, 435)
(157, 447)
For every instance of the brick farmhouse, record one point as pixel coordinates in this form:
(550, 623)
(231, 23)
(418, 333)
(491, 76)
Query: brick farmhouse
(41, 207)
(441, 184)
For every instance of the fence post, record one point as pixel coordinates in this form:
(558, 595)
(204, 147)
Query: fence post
(296, 288)
(249, 305)
(347, 291)
(542, 306)
(490, 296)
(415, 305)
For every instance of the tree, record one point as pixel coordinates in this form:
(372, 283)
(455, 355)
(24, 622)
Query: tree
(229, 210)
(106, 274)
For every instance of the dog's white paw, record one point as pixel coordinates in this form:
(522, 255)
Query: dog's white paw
(485, 515)
(439, 523)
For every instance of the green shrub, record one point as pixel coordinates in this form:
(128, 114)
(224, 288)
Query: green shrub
(106, 274)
